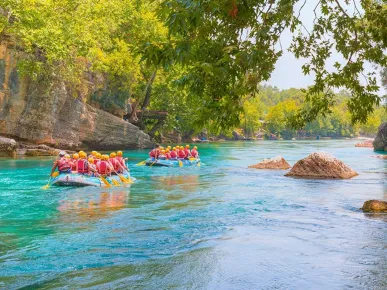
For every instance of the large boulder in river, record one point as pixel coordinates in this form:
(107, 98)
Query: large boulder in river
(380, 142)
(7, 147)
(374, 206)
(49, 111)
(277, 162)
(321, 165)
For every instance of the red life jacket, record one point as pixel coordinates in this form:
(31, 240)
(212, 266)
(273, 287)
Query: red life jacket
(187, 152)
(63, 165)
(103, 167)
(154, 153)
(96, 161)
(115, 163)
(83, 166)
(173, 154)
(74, 164)
(168, 155)
(121, 160)
(181, 154)
(194, 153)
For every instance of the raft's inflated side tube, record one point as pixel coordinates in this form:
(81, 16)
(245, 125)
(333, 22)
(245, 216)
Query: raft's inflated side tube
(74, 179)
(170, 163)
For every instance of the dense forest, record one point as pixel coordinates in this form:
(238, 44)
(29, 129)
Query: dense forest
(202, 63)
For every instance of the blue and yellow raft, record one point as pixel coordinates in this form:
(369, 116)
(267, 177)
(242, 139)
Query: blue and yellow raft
(172, 163)
(75, 179)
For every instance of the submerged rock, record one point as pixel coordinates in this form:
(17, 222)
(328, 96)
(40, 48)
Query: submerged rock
(381, 156)
(277, 162)
(365, 144)
(321, 165)
(7, 147)
(374, 206)
(380, 142)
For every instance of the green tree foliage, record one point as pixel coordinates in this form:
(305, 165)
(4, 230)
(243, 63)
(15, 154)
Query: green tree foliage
(202, 60)
(275, 107)
(230, 46)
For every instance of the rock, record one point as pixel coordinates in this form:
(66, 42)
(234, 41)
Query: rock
(272, 163)
(7, 147)
(237, 136)
(321, 165)
(374, 206)
(381, 156)
(39, 152)
(46, 111)
(380, 142)
(365, 144)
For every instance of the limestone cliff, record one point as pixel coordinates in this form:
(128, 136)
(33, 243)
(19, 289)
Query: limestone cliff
(43, 111)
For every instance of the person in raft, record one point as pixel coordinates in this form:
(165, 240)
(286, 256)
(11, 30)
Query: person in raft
(173, 154)
(195, 153)
(74, 162)
(62, 163)
(92, 167)
(154, 154)
(116, 163)
(82, 163)
(121, 161)
(104, 168)
(187, 152)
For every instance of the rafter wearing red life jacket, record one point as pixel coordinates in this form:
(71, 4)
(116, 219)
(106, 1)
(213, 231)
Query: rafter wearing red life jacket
(194, 153)
(187, 152)
(103, 167)
(64, 165)
(173, 154)
(83, 166)
(181, 154)
(154, 153)
(115, 163)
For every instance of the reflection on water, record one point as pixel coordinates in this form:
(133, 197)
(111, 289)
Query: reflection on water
(93, 205)
(187, 183)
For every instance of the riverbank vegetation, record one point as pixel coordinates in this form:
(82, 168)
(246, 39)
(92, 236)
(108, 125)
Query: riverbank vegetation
(203, 62)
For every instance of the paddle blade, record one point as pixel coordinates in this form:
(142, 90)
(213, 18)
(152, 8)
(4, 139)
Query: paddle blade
(46, 186)
(115, 182)
(124, 179)
(55, 174)
(199, 164)
(103, 179)
(141, 163)
(180, 163)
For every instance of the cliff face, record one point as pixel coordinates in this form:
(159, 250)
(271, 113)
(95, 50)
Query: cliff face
(46, 112)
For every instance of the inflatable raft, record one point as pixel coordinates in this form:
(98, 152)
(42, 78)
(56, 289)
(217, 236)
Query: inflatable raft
(171, 163)
(75, 179)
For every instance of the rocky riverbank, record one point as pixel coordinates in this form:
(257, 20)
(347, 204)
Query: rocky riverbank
(11, 148)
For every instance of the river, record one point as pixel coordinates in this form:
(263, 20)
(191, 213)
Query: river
(218, 226)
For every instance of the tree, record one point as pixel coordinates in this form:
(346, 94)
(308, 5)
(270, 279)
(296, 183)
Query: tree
(230, 46)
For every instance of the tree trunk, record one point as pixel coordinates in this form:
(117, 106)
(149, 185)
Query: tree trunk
(148, 91)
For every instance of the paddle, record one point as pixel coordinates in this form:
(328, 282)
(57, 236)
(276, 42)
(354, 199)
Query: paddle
(55, 174)
(48, 184)
(123, 178)
(115, 182)
(180, 163)
(103, 180)
(141, 163)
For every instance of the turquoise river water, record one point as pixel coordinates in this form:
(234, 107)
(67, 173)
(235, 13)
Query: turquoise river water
(218, 226)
